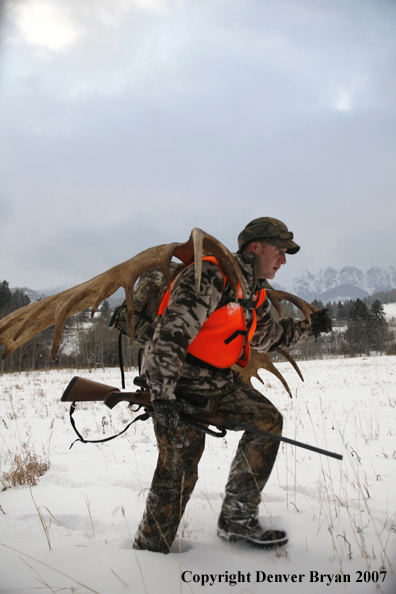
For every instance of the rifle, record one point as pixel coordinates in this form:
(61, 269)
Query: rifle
(84, 390)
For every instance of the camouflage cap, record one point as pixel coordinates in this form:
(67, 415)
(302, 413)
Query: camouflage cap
(272, 230)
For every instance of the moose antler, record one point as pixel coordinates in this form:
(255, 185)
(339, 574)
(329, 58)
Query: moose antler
(262, 360)
(276, 297)
(25, 323)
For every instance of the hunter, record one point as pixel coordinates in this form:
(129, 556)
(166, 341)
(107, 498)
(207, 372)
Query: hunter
(195, 343)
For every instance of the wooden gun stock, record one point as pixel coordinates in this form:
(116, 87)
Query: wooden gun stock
(85, 390)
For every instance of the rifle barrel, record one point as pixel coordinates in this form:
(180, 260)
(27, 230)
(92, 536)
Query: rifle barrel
(236, 425)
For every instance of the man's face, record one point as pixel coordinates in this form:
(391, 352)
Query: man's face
(271, 258)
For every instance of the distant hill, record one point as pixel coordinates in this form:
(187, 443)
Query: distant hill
(349, 282)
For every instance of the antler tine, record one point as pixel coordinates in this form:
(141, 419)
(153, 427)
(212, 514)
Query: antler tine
(197, 237)
(192, 251)
(276, 296)
(12, 324)
(261, 361)
(29, 321)
(289, 358)
(272, 369)
(228, 264)
(274, 301)
(80, 298)
(35, 310)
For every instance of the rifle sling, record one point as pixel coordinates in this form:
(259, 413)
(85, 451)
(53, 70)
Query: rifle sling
(142, 417)
(121, 361)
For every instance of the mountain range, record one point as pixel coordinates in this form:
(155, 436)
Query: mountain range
(340, 284)
(326, 284)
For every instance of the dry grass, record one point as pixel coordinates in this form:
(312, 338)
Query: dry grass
(26, 469)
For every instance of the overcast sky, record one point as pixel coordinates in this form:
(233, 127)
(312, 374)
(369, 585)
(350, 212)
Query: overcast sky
(126, 123)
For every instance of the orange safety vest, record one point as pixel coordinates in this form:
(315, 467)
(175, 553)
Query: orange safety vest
(221, 339)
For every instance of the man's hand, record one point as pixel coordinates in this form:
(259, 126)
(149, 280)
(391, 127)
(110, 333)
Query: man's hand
(168, 412)
(321, 322)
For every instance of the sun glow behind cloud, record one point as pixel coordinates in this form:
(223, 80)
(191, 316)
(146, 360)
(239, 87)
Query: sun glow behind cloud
(45, 24)
(56, 26)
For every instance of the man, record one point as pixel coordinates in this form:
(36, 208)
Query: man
(183, 358)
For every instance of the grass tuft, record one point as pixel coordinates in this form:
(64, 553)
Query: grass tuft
(26, 469)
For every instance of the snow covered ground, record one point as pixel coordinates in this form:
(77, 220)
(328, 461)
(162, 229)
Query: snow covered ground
(72, 532)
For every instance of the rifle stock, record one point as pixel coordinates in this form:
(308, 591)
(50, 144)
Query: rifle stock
(83, 390)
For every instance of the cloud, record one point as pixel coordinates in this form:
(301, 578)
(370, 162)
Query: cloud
(45, 24)
(153, 118)
(53, 27)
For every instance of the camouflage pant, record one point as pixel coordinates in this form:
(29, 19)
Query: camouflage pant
(179, 454)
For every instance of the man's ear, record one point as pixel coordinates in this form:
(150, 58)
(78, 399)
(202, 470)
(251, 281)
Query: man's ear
(254, 246)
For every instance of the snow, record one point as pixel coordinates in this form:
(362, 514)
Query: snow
(390, 310)
(340, 516)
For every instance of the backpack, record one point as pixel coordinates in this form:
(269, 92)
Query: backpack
(147, 296)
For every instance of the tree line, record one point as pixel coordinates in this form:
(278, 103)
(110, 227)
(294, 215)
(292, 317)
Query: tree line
(11, 300)
(360, 328)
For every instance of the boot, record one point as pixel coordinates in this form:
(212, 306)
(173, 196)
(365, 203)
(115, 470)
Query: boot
(250, 532)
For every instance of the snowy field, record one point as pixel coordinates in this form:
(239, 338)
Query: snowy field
(72, 532)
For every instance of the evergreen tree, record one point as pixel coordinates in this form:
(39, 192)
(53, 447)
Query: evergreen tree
(105, 311)
(357, 333)
(359, 312)
(19, 299)
(10, 301)
(318, 304)
(377, 313)
(5, 299)
(332, 310)
(378, 327)
(342, 313)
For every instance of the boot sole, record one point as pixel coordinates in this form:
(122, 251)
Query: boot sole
(258, 544)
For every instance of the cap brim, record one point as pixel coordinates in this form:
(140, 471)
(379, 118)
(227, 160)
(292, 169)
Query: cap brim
(292, 248)
(289, 245)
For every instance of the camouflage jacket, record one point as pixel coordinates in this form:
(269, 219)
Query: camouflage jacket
(164, 365)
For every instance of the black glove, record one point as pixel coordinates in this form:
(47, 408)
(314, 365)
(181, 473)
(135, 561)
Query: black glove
(168, 412)
(321, 322)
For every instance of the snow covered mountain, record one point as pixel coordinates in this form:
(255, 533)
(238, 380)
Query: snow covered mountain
(42, 293)
(332, 284)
